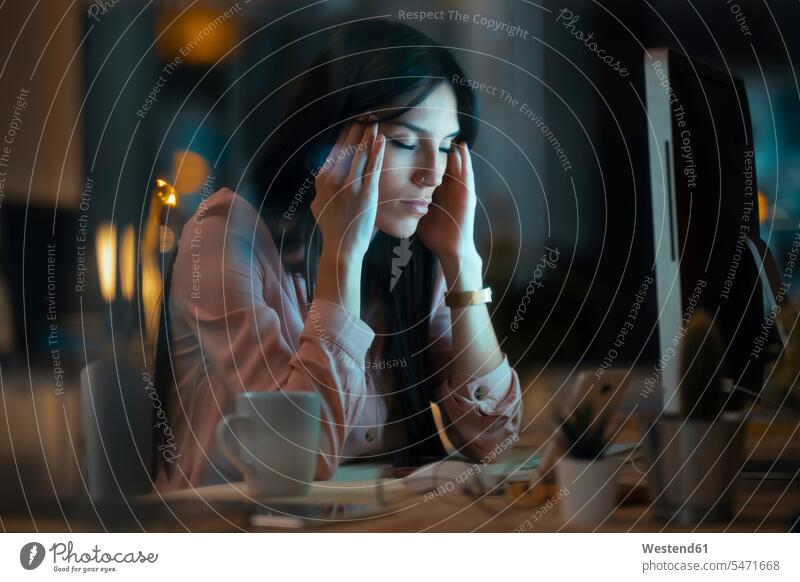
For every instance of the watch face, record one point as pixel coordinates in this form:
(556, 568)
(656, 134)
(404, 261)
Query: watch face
(465, 298)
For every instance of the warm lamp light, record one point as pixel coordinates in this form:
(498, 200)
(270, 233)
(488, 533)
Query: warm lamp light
(107, 260)
(190, 170)
(763, 208)
(200, 34)
(127, 262)
(166, 193)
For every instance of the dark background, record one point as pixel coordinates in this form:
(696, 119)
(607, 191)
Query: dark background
(221, 103)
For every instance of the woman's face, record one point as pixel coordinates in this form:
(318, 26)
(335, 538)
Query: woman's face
(417, 146)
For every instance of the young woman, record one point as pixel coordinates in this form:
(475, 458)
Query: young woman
(336, 282)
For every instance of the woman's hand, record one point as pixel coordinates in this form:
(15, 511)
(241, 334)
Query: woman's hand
(346, 199)
(345, 208)
(448, 228)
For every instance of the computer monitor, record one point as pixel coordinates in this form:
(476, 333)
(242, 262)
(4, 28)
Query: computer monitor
(705, 217)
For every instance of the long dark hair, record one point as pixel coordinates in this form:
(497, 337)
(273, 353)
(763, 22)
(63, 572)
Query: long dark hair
(388, 68)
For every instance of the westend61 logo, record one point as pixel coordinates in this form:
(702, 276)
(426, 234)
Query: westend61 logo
(65, 559)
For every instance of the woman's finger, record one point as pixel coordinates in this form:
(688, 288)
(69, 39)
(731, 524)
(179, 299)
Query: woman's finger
(344, 156)
(348, 132)
(466, 163)
(453, 169)
(372, 172)
(361, 156)
(337, 154)
(330, 160)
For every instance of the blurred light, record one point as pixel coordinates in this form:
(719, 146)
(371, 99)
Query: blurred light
(166, 239)
(107, 260)
(439, 422)
(200, 36)
(127, 262)
(763, 208)
(151, 298)
(190, 170)
(166, 193)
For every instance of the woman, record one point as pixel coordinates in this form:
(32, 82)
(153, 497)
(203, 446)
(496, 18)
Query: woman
(337, 282)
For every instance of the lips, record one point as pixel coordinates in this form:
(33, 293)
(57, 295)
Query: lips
(416, 207)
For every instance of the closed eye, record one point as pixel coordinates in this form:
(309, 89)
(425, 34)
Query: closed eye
(411, 147)
(406, 146)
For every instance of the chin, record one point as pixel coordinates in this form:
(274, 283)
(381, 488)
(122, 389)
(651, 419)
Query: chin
(399, 228)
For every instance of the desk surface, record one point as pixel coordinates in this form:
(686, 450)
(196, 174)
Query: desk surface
(762, 506)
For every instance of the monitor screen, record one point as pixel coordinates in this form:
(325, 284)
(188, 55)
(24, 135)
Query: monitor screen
(705, 207)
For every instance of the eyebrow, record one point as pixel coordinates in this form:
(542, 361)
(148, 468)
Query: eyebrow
(417, 128)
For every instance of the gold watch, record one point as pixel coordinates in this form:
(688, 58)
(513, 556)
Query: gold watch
(467, 298)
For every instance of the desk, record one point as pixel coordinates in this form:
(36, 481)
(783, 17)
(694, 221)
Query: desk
(762, 506)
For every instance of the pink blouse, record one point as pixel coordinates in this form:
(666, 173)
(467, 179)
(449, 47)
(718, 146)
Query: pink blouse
(239, 322)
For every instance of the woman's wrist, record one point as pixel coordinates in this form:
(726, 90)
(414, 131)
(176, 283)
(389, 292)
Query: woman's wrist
(338, 259)
(463, 272)
(339, 281)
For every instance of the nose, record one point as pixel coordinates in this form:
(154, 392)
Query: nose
(430, 166)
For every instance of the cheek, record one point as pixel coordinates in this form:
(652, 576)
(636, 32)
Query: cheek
(394, 174)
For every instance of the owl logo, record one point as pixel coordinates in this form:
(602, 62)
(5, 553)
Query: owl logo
(31, 555)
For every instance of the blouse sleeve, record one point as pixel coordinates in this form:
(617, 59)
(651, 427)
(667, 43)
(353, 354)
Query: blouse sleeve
(481, 414)
(244, 340)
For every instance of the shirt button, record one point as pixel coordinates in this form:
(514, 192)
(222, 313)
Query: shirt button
(369, 436)
(481, 392)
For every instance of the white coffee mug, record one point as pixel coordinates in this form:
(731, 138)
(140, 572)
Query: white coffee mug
(272, 439)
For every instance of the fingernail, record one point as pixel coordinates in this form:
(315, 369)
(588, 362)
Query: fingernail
(379, 138)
